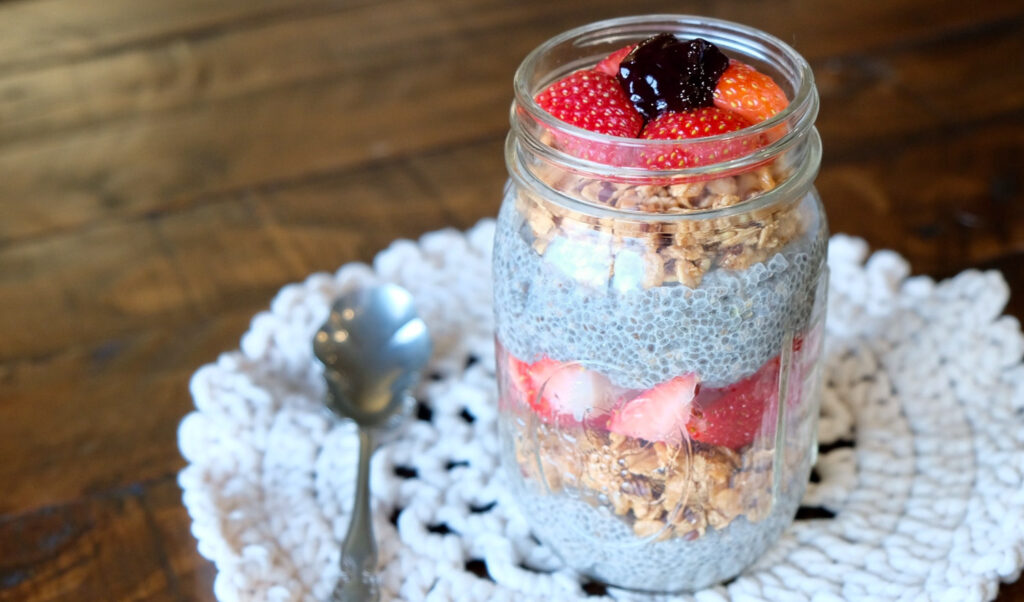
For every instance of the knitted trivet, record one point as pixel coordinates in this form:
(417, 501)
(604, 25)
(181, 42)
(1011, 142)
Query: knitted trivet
(918, 491)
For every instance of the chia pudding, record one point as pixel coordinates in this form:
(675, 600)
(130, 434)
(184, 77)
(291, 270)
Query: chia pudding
(583, 300)
(659, 300)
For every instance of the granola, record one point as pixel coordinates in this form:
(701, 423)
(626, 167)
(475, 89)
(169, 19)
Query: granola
(675, 251)
(664, 490)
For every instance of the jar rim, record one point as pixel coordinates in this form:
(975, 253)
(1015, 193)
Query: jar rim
(797, 118)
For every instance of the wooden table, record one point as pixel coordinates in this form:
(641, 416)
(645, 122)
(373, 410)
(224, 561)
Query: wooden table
(166, 166)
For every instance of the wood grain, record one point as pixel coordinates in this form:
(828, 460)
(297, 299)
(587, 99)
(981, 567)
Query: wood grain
(167, 125)
(101, 548)
(964, 192)
(165, 167)
(190, 576)
(196, 278)
(46, 32)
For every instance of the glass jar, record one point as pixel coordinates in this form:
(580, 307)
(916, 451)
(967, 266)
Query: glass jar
(659, 332)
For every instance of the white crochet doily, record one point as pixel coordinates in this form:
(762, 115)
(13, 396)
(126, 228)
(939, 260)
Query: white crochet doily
(918, 490)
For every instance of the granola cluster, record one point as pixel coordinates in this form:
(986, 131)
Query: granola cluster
(675, 251)
(663, 490)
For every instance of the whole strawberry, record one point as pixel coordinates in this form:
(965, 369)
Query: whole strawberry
(692, 125)
(749, 93)
(592, 100)
(610, 64)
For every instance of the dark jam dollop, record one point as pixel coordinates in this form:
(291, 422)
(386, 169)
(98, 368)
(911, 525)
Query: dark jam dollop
(664, 73)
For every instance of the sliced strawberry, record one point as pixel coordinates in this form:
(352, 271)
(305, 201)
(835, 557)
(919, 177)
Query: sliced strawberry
(658, 414)
(524, 378)
(519, 383)
(575, 391)
(592, 100)
(610, 64)
(562, 391)
(749, 93)
(731, 416)
(695, 124)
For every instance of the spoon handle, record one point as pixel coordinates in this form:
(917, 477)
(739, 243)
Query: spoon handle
(359, 581)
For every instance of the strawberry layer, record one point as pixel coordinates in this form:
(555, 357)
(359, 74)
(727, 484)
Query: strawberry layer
(731, 416)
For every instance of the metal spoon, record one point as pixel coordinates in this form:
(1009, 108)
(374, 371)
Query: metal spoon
(373, 346)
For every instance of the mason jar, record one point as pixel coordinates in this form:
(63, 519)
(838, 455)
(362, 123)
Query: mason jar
(659, 332)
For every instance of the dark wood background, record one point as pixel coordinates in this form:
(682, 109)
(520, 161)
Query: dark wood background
(166, 166)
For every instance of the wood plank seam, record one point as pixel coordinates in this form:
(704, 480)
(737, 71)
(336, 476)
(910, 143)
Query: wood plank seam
(198, 33)
(120, 492)
(270, 186)
(168, 251)
(325, 78)
(427, 186)
(159, 545)
(975, 31)
(869, 148)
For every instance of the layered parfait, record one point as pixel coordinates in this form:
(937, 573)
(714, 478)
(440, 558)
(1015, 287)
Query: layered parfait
(658, 335)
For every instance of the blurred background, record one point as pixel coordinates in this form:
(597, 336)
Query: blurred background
(166, 166)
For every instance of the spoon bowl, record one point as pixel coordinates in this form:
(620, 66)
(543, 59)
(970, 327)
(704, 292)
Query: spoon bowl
(373, 347)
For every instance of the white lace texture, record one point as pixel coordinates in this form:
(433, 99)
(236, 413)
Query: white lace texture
(922, 430)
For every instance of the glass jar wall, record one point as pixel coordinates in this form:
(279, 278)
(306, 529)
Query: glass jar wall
(659, 332)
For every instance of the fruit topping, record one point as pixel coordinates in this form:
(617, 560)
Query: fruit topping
(698, 123)
(664, 73)
(592, 100)
(749, 93)
(663, 88)
(659, 413)
(706, 121)
(610, 64)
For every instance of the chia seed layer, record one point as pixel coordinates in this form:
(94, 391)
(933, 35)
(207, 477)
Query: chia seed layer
(582, 300)
(594, 542)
